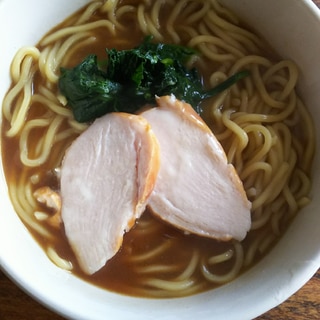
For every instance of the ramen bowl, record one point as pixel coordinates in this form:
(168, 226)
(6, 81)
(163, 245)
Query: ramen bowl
(292, 27)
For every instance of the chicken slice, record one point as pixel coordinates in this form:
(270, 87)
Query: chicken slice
(52, 200)
(107, 176)
(196, 189)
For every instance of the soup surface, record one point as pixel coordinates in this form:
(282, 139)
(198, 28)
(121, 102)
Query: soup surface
(260, 121)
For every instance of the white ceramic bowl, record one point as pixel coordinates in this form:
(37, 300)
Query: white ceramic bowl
(293, 28)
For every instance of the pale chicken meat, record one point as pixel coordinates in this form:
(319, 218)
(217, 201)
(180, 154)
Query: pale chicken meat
(107, 176)
(52, 200)
(196, 189)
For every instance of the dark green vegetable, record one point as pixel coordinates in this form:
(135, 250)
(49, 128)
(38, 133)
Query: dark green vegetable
(132, 78)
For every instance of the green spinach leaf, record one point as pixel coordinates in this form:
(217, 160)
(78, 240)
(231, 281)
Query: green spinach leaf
(133, 78)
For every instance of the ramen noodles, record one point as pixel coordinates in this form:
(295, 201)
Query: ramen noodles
(262, 124)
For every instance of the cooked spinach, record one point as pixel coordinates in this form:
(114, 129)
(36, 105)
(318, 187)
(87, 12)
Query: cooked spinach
(132, 78)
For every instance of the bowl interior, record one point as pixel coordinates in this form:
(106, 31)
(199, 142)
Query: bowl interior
(294, 33)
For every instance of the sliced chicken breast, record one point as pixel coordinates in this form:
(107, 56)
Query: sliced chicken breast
(196, 189)
(107, 176)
